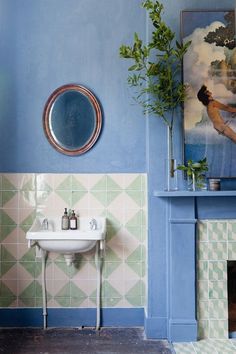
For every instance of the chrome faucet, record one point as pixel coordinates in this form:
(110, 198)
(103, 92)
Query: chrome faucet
(45, 224)
(93, 224)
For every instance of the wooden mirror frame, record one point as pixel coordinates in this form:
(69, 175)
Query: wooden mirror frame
(48, 110)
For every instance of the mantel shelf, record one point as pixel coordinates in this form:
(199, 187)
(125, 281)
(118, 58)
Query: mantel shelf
(184, 193)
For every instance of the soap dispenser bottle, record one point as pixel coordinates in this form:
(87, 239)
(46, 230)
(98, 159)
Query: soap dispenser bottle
(73, 221)
(65, 221)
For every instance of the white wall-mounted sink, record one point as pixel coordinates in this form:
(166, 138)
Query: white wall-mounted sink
(48, 236)
(54, 239)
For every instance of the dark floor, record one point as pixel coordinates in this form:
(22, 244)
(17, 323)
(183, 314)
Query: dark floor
(79, 341)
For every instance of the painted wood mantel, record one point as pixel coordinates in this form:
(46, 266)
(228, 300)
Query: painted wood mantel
(183, 210)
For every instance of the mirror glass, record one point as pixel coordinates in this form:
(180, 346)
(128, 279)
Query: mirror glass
(72, 119)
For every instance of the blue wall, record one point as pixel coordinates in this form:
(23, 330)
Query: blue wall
(51, 43)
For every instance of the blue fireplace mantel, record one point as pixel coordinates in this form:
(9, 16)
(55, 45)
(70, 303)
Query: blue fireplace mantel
(172, 261)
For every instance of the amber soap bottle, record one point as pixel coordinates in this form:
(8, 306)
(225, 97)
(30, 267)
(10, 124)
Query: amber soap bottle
(73, 221)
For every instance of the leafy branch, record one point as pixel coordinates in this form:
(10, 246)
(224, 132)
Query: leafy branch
(160, 90)
(195, 170)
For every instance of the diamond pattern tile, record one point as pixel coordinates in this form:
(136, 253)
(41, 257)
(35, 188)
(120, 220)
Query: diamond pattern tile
(6, 295)
(119, 197)
(7, 185)
(218, 247)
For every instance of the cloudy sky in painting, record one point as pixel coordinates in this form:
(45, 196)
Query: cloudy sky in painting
(197, 63)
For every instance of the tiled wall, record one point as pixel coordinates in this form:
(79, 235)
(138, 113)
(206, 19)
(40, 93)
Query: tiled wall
(216, 245)
(119, 197)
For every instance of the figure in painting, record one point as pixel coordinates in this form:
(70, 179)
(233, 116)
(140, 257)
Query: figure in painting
(213, 110)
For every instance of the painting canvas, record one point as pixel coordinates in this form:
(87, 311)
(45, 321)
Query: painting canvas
(210, 61)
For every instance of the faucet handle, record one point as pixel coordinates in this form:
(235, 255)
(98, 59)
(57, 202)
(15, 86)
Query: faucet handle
(45, 224)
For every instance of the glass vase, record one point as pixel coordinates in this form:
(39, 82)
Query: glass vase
(196, 182)
(191, 182)
(171, 181)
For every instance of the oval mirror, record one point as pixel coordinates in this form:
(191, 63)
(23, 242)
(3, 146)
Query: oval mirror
(72, 119)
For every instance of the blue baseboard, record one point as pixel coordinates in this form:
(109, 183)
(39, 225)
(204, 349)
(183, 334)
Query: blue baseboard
(182, 330)
(155, 327)
(72, 317)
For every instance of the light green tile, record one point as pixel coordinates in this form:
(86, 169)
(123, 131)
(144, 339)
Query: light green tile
(202, 231)
(112, 185)
(101, 185)
(111, 232)
(29, 197)
(30, 184)
(29, 256)
(184, 348)
(66, 184)
(137, 220)
(232, 231)
(66, 196)
(108, 291)
(76, 196)
(101, 196)
(203, 329)
(136, 184)
(204, 347)
(7, 196)
(217, 270)
(135, 295)
(217, 289)
(137, 196)
(202, 270)
(112, 221)
(28, 221)
(5, 267)
(42, 197)
(218, 329)
(7, 185)
(6, 256)
(34, 268)
(231, 251)
(217, 231)
(76, 185)
(202, 251)
(111, 196)
(64, 292)
(7, 301)
(31, 291)
(217, 250)
(137, 232)
(5, 230)
(41, 184)
(203, 310)
(203, 290)
(63, 301)
(109, 268)
(109, 295)
(70, 271)
(138, 267)
(137, 254)
(218, 309)
(5, 219)
(111, 256)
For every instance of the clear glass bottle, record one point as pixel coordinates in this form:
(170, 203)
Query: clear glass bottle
(73, 221)
(65, 221)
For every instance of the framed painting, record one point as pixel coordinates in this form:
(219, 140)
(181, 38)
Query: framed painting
(210, 61)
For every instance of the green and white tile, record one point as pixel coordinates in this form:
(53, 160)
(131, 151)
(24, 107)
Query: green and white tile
(184, 348)
(217, 231)
(119, 197)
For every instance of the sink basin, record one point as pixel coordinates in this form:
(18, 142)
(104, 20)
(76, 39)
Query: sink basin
(67, 241)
